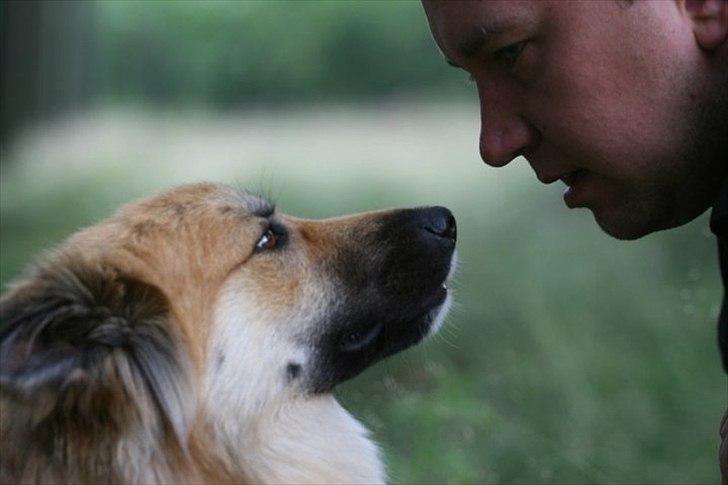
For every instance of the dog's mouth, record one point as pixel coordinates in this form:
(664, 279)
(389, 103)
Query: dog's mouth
(369, 338)
(360, 339)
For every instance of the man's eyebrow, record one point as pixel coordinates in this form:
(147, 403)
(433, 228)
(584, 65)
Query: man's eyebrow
(473, 41)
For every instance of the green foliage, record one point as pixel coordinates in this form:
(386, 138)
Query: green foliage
(229, 53)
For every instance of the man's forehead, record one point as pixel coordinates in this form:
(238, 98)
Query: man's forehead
(456, 12)
(460, 27)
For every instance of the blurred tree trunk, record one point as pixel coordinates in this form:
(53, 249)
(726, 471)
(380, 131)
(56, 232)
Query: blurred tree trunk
(46, 64)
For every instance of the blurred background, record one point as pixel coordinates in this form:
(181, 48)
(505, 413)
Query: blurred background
(570, 357)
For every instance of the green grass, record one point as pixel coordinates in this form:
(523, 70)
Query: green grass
(569, 357)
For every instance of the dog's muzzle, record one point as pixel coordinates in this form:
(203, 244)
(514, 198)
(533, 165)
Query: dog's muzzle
(393, 282)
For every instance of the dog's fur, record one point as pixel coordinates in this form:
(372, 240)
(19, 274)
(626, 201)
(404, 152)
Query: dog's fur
(196, 337)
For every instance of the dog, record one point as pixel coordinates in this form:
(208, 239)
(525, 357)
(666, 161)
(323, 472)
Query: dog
(196, 337)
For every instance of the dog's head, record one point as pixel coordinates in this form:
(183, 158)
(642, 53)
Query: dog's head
(208, 291)
(322, 300)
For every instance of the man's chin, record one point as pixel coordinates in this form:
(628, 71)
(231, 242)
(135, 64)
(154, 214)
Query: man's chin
(626, 227)
(634, 221)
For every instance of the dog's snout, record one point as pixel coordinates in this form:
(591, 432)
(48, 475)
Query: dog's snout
(440, 222)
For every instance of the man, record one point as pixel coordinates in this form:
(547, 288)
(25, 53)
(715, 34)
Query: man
(626, 102)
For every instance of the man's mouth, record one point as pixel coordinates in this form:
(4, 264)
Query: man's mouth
(570, 178)
(576, 191)
(567, 177)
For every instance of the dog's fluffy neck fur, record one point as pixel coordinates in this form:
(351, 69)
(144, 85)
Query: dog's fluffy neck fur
(305, 440)
(266, 426)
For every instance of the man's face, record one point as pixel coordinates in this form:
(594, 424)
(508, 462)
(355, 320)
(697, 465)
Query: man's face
(617, 101)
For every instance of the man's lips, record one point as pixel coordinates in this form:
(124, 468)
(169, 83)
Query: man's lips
(570, 178)
(575, 193)
(567, 177)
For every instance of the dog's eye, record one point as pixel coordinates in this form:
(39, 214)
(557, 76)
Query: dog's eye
(268, 240)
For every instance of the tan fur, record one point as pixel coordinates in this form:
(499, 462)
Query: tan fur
(188, 256)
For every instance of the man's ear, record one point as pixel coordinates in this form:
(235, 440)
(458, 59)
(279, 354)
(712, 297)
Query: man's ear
(86, 336)
(710, 22)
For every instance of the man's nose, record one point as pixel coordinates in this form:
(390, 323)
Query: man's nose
(504, 134)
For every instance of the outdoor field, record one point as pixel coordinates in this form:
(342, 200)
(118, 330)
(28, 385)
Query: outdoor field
(569, 357)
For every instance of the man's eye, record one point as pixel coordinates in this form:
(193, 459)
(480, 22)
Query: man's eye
(509, 54)
(268, 240)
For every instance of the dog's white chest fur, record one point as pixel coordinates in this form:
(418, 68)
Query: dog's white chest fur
(266, 428)
(314, 441)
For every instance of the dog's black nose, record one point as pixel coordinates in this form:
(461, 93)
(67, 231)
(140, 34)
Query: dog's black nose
(440, 222)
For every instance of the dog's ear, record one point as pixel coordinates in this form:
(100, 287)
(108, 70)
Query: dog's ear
(81, 341)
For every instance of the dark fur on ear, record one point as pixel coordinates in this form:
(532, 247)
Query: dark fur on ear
(86, 355)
